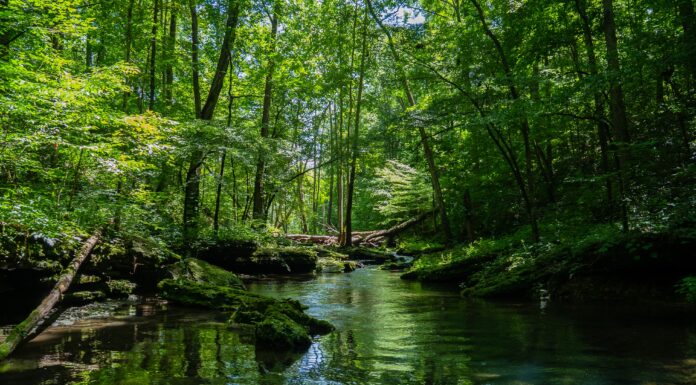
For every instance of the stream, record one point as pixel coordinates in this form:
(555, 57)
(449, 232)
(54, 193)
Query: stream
(388, 332)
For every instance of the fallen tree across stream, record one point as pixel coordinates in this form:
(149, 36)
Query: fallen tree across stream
(365, 238)
(30, 327)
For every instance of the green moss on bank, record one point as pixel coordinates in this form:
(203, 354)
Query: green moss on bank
(601, 264)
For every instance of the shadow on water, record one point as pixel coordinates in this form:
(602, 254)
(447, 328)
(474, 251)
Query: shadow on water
(388, 332)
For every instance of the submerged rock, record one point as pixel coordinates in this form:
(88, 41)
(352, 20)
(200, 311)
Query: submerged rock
(280, 324)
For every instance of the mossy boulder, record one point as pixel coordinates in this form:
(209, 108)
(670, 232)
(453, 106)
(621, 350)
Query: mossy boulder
(326, 252)
(280, 324)
(228, 253)
(370, 256)
(134, 258)
(200, 271)
(120, 288)
(331, 265)
(459, 271)
(79, 298)
(270, 260)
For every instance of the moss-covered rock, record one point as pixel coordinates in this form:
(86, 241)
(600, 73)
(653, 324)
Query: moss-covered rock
(270, 260)
(326, 252)
(79, 298)
(200, 271)
(136, 259)
(369, 255)
(282, 324)
(228, 253)
(120, 288)
(277, 330)
(331, 265)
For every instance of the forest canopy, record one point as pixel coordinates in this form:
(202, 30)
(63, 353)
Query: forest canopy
(201, 119)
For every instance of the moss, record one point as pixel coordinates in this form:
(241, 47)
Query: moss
(376, 256)
(120, 288)
(278, 331)
(278, 323)
(291, 259)
(83, 297)
(201, 271)
(330, 265)
(325, 252)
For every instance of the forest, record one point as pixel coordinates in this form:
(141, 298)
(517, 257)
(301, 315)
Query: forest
(226, 155)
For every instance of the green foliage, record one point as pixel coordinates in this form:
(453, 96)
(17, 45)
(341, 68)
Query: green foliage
(402, 190)
(687, 288)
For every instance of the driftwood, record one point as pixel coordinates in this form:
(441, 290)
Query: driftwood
(27, 328)
(365, 238)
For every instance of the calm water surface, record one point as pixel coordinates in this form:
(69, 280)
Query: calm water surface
(388, 332)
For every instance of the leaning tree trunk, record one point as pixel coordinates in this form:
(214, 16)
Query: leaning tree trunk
(26, 329)
(192, 188)
(425, 142)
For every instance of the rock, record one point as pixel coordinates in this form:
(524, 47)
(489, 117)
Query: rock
(79, 298)
(120, 288)
(201, 271)
(135, 259)
(271, 260)
(228, 253)
(324, 252)
(280, 324)
(330, 265)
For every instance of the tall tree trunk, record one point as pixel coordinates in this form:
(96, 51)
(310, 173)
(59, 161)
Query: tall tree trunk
(89, 54)
(618, 109)
(192, 188)
(356, 138)
(129, 44)
(425, 142)
(258, 209)
(194, 59)
(602, 126)
(528, 197)
(332, 150)
(688, 22)
(171, 54)
(219, 191)
(153, 56)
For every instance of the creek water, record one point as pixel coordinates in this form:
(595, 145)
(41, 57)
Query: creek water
(388, 332)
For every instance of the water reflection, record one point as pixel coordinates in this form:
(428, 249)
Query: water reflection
(388, 332)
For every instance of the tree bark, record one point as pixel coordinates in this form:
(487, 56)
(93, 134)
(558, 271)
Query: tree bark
(26, 329)
(194, 59)
(153, 56)
(427, 150)
(356, 139)
(258, 209)
(602, 127)
(192, 189)
(618, 109)
(528, 197)
(171, 55)
(129, 43)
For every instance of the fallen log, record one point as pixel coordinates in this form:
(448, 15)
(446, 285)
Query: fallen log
(395, 230)
(370, 238)
(27, 328)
